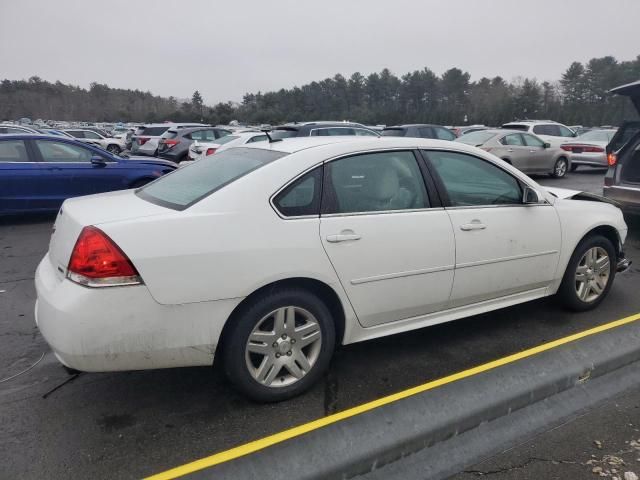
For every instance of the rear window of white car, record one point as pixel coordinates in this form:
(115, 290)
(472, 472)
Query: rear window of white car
(189, 185)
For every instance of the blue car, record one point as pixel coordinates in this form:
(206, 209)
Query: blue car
(38, 172)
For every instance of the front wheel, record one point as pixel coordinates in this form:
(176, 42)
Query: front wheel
(589, 274)
(560, 168)
(279, 346)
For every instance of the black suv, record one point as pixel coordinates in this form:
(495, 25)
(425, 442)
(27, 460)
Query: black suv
(622, 180)
(174, 143)
(419, 130)
(321, 129)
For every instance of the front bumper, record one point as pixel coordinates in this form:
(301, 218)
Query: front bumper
(124, 328)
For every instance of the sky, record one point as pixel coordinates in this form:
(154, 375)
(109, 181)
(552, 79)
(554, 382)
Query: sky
(225, 49)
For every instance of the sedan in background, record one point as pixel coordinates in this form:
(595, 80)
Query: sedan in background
(110, 144)
(265, 257)
(38, 172)
(419, 131)
(589, 149)
(199, 150)
(525, 151)
(12, 129)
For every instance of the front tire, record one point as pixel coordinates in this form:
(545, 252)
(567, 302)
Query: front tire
(560, 168)
(589, 274)
(279, 345)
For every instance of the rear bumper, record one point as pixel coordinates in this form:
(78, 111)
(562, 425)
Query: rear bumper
(124, 328)
(627, 197)
(594, 160)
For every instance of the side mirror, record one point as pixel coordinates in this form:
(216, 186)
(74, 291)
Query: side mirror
(98, 161)
(530, 196)
(547, 145)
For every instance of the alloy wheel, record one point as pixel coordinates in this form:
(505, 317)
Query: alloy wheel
(592, 274)
(283, 347)
(560, 168)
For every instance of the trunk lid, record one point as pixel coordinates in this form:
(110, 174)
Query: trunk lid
(76, 213)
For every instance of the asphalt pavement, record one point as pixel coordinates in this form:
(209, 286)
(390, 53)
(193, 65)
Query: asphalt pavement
(132, 424)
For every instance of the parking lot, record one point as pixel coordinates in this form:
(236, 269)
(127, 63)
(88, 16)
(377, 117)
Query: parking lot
(133, 424)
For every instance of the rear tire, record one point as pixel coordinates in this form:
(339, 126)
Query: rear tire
(560, 168)
(279, 345)
(589, 274)
(114, 149)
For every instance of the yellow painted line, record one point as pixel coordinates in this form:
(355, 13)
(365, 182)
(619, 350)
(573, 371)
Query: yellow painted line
(279, 437)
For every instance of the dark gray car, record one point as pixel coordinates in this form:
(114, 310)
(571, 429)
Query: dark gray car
(174, 143)
(622, 180)
(419, 130)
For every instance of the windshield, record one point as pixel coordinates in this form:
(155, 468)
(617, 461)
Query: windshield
(189, 185)
(476, 138)
(597, 136)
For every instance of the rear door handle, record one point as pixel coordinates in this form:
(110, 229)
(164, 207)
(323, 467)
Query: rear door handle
(474, 225)
(343, 237)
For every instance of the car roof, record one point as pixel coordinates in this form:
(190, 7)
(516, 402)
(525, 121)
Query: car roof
(293, 126)
(296, 144)
(531, 122)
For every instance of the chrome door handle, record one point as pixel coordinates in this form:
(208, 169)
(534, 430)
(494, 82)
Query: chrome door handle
(473, 226)
(343, 237)
(532, 151)
(510, 150)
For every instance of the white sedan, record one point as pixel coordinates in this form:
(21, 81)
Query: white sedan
(267, 256)
(198, 150)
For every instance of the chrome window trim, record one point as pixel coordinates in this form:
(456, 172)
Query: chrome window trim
(379, 212)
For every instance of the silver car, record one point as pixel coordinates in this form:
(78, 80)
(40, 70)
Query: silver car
(525, 151)
(589, 149)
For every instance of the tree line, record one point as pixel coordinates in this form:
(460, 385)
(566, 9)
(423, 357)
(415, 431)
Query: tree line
(578, 97)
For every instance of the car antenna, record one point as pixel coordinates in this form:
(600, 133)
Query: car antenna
(271, 140)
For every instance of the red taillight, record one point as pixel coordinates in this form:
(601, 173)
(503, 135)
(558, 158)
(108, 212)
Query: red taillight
(582, 148)
(96, 261)
(211, 151)
(612, 159)
(171, 143)
(143, 140)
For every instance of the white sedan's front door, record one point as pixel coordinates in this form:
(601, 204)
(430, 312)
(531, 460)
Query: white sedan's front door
(394, 255)
(502, 246)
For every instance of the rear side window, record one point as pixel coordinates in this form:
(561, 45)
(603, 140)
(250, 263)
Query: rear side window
(153, 131)
(13, 151)
(169, 134)
(551, 130)
(471, 181)
(516, 126)
(302, 197)
(52, 151)
(374, 182)
(393, 132)
(565, 132)
(76, 133)
(203, 135)
(221, 133)
(283, 133)
(513, 140)
(186, 186)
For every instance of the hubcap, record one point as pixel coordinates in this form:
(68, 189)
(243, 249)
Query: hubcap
(561, 168)
(283, 346)
(592, 274)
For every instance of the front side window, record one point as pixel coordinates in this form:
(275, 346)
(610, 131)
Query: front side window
(52, 151)
(186, 186)
(471, 181)
(532, 141)
(302, 197)
(374, 182)
(565, 132)
(13, 151)
(393, 132)
(91, 135)
(76, 133)
(444, 134)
